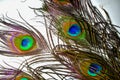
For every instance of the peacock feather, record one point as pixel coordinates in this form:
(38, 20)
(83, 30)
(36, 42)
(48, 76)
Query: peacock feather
(93, 32)
(20, 40)
(47, 67)
(90, 45)
(87, 45)
(87, 64)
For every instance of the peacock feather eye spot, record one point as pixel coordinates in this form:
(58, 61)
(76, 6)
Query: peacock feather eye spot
(94, 69)
(24, 42)
(74, 30)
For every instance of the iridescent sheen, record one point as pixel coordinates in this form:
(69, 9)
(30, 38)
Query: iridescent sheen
(24, 78)
(74, 30)
(26, 43)
(22, 43)
(94, 69)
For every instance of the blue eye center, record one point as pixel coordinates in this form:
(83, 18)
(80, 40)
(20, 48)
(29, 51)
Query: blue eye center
(25, 42)
(74, 30)
(94, 69)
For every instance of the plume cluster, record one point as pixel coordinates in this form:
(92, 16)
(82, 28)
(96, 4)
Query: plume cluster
(87, 47)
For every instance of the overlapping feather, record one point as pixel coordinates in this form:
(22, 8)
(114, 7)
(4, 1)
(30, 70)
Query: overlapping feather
(89, 50)
(90, 40)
